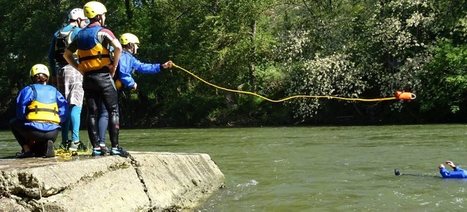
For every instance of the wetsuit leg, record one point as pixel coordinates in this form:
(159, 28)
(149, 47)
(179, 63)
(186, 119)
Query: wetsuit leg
(110, 98)
(17, 127)
(103, 122)
(40, 140)
(92, 119)
(35, 139)
(91, 96)
(97, 86)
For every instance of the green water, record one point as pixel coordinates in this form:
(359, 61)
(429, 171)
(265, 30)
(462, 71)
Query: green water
(318, 168)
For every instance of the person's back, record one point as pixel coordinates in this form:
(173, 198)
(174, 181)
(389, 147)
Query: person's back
(60, 41)
(93, 53)
(63, 37)
(40, 109)
(97, 67)
(69, 80)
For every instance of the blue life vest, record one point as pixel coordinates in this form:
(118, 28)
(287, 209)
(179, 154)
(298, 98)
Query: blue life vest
(92, 55)
(44, 107)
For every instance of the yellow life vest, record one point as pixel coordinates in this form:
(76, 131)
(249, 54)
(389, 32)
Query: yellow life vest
(37, 110)
(93, 59)
(92, 55)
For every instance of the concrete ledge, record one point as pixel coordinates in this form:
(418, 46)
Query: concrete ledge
(143, 182)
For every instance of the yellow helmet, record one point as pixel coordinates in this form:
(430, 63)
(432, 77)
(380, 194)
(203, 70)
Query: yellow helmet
(39, 69)
(127, 38)
(93, 8)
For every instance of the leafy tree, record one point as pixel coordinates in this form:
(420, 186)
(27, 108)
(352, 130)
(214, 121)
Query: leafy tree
(26, 31)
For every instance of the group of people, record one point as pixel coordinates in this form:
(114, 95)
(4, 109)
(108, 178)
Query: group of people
(89, 64)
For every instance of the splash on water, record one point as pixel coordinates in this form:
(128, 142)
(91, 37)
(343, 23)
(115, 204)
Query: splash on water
(248, 184)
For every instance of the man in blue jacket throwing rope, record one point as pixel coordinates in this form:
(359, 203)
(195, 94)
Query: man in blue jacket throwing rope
(127, 66)
(128, 63)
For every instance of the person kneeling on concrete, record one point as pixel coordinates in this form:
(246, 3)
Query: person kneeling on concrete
(40, 109)
(456, 172)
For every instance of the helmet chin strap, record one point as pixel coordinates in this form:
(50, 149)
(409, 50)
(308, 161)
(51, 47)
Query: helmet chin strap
(131, 48)
(101, 21)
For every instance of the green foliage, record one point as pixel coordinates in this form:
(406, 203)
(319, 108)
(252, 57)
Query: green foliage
(274, 48)
(333, 75)
(26, 30)
(445, 80)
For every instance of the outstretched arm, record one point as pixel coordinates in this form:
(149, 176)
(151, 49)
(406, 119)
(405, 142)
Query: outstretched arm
(453, 166)
(443, 171)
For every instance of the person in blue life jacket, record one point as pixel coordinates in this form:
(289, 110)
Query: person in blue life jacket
(40, 108)
(127, 66)
(69, 80)
(456, 172)
(98, 66)
(60, 40)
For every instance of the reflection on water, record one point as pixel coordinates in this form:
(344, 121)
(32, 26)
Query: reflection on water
(320, 168)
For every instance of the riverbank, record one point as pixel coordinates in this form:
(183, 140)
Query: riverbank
(142, 182)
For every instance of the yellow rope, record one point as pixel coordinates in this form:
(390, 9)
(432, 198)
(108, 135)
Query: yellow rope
(67, 155)
(287, 98)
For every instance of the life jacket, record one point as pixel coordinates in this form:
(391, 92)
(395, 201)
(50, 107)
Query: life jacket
(63, 39)
(92, 55)
(44, 107)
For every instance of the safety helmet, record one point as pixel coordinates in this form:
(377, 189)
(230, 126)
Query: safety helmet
(76, 14)
(127, 38)
(94, 8)
(39, 69)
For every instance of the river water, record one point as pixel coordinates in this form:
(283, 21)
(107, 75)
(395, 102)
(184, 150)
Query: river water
(318, 168)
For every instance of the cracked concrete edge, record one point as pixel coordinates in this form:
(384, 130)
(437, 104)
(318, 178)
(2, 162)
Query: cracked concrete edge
(189, 179)
(50, 179)
(160, 181)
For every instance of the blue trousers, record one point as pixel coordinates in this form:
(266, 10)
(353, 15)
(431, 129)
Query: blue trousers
(73, 119)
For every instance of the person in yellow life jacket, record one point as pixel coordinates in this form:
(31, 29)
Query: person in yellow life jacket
(40, 108)
(98, 67)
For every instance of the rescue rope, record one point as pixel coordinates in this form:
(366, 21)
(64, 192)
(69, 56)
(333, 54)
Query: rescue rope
(68, 155)
(399, 95)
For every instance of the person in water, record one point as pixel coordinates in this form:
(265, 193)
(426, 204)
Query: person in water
(456, 172)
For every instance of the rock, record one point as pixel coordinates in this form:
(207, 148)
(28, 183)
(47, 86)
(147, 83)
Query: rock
(7, 204)
(142, 182)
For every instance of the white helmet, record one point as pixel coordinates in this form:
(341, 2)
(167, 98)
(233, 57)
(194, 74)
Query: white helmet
(75, 14)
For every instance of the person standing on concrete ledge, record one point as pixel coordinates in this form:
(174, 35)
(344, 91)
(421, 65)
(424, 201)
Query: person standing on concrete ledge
(40, 108)
(98, 66)
(68, 80)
